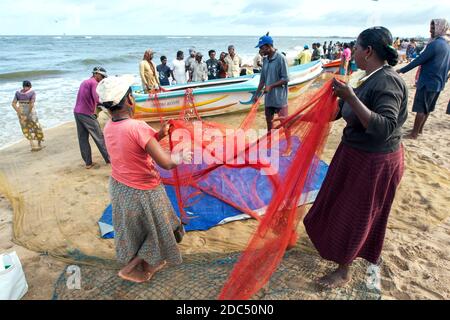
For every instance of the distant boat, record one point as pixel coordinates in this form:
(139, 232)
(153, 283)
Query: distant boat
(217, 97)
(332, 66)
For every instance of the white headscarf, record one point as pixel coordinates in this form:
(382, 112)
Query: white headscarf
(113, 89)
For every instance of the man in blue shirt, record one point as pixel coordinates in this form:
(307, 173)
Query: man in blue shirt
(274, 79)
(435, 65)
(164, 72)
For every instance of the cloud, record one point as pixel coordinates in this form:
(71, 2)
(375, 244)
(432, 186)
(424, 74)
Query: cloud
(217, 17)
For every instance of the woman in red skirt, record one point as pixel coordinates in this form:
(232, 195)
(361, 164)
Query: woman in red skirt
(349, 217)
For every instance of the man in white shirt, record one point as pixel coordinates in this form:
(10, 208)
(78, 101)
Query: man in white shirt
(199, 69)
(234, 63)
(178, 69)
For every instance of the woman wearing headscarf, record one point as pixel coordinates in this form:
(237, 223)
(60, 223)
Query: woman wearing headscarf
(434, 62)
(23, 103)
(148, 72)
(146, 227)
(349, 217)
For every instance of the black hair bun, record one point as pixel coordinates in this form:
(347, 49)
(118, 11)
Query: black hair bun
(391, 56)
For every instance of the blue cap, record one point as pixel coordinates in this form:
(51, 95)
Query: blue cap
(306, 46)
(264, 40)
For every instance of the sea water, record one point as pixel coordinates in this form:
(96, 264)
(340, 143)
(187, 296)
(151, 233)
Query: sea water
(56, 65)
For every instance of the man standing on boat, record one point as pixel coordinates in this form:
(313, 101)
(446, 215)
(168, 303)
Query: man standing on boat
(234, 63)
(274, 80)
(86, 119)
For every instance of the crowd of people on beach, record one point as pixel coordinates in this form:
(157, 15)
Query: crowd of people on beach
(192, 69)
(328, 52)
(349, 217)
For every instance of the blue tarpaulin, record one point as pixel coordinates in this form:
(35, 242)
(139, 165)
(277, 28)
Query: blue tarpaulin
(207, 211)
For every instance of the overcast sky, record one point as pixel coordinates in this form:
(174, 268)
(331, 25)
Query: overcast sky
(218, 17)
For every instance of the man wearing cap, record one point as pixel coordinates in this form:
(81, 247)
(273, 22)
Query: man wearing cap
(199, 69)
(305, 55)
(234, 63)
(274, 80)
(86, 119)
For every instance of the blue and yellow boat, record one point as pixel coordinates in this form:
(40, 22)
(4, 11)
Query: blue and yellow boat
(217, 97)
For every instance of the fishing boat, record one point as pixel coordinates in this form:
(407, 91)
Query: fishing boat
(212, 98)
(332, 66)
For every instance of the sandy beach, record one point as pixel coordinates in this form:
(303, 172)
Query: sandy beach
(68, 201)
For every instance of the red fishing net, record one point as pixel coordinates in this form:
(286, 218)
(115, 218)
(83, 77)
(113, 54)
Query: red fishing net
(224, 160)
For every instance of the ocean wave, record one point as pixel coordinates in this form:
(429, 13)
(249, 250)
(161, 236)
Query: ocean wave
(174, 37)
(22, 75)
(103, 61)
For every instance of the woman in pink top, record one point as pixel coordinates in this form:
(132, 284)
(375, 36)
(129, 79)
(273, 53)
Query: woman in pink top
(345, 59)
(143, 217)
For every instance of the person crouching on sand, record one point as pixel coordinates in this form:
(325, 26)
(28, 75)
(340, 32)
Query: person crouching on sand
(143, 217)
(349, 217)
(23, 103)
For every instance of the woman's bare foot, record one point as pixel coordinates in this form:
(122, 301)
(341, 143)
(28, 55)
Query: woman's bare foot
(338, 278)
(411, 135)
(134, 275)
(133, 272)
(150, 271)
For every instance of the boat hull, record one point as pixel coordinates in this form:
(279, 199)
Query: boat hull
(218, 100)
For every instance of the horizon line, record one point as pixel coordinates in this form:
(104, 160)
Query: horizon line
(176, 35)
